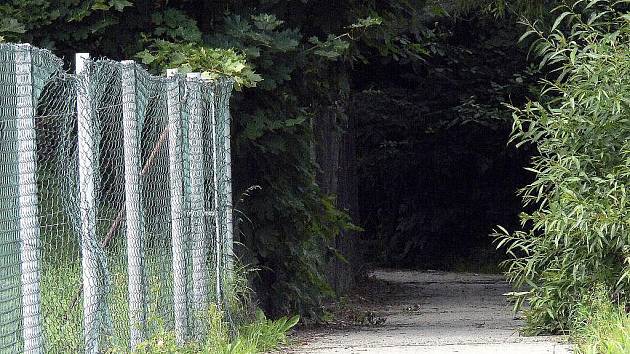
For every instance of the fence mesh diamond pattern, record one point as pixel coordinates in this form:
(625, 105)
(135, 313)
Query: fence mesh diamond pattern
(115, 202)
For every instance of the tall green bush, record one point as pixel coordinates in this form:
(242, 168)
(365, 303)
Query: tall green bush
(577, 232)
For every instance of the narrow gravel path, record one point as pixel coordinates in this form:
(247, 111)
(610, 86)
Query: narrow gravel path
(434, 312)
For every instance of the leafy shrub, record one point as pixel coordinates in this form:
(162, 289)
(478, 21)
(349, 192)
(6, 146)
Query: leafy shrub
(259, 336)
(577, 235)
(236, 327)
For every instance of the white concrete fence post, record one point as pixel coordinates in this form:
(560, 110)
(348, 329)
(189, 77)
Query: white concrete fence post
(30, 266)
(216, 203)
(88, 172)
(223, 180)
(197, 202)
(133, 205)
(227, 179)
(176, 179)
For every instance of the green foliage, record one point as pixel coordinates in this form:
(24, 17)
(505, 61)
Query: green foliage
(61, 280)
(331, 48)
(212, 63)
(577, 233)
(175, 25)
(366, 22)
(259, 336)
(11, 25)
(601, 325)
(37, 21)
(401, 36)
(533, 8)
(267, 334)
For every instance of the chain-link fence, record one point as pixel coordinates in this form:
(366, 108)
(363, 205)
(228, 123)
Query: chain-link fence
(115, 202)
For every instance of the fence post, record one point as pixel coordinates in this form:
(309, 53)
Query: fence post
(197, 200)
(176, 179)
(133, 205)
(88, 165)
(224, 130)
(223, 179)
(216, 203)
(28, 202)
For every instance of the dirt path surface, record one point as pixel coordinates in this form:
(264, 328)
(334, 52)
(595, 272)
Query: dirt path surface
(431, 312)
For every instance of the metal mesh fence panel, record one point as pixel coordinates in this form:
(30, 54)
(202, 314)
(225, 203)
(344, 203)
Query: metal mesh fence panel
(10, 315)
(115, 203)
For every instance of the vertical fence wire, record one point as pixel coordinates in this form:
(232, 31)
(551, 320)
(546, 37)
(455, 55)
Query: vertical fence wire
(133, 205)
(115, 203)
(87, 153)
(104, 82)
(224, 181)
(199, 244)
(215, 202)
(151, 93)
(10, 313)
(61, 218)
(28, 202)
(176, 175)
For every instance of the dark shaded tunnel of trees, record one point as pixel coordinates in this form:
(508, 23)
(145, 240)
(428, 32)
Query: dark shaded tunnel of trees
(436, 174)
